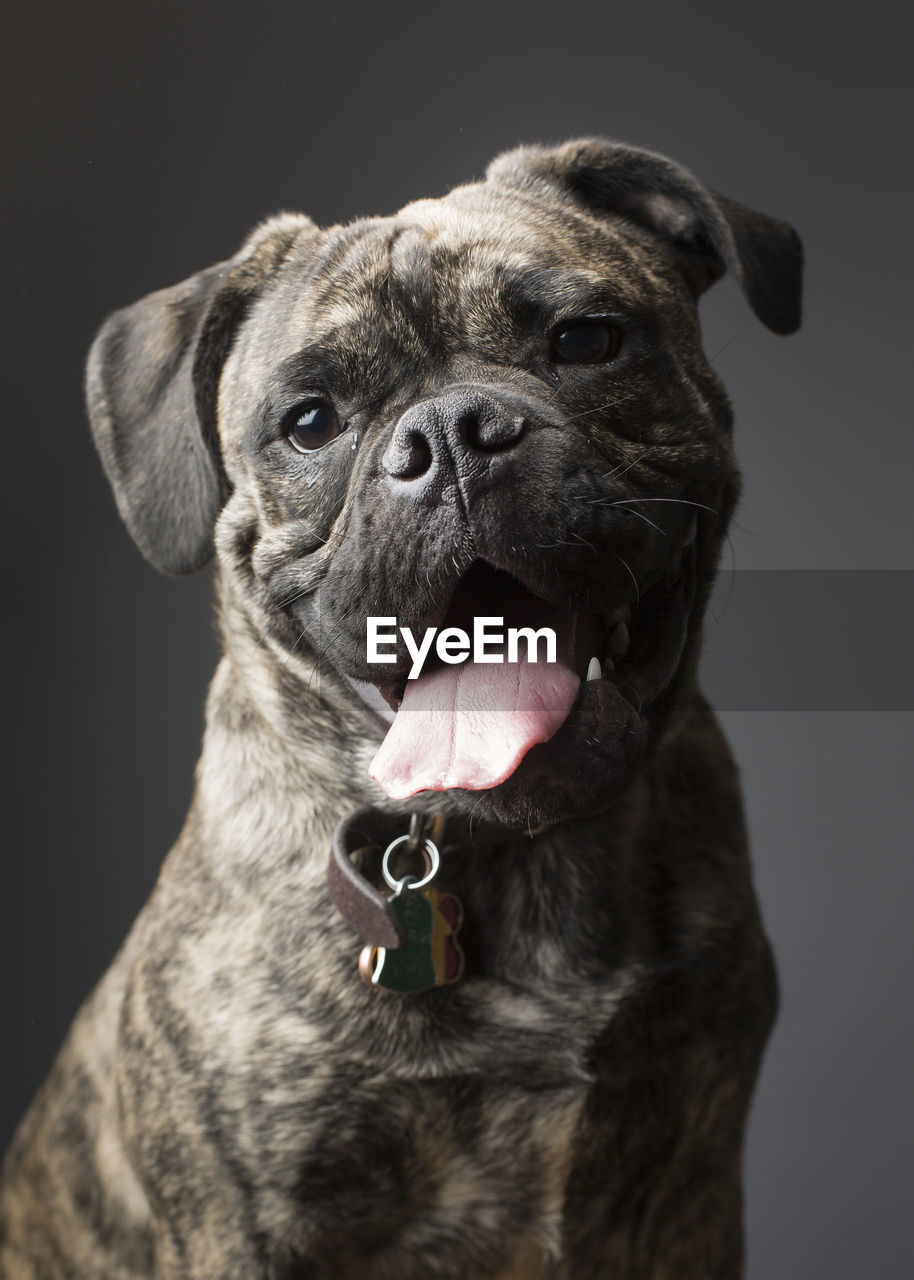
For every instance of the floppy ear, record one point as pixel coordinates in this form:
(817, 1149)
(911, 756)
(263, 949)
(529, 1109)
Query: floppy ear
(151, 387)
(708, 233)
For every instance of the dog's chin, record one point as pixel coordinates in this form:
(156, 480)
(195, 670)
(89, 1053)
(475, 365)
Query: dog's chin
(627, 659)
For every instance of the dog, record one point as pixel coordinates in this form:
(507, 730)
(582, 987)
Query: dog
(491, 404)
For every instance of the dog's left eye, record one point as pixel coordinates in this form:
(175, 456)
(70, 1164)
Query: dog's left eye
(587, 342)
(310, 426)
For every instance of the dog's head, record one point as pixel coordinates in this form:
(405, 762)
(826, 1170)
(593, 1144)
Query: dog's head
(492, 404)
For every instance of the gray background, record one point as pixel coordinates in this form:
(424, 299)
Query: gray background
(141, 146)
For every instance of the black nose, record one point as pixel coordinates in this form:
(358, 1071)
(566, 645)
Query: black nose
(456, 432)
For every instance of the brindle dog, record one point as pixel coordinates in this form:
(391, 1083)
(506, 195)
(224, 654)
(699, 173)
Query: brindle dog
(501, 392)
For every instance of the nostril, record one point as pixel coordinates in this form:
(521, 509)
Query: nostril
(489, 432)
(407, 456)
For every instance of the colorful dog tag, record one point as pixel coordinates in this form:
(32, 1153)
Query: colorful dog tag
(431, 956)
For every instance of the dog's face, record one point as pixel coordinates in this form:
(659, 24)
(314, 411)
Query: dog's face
(495, 403)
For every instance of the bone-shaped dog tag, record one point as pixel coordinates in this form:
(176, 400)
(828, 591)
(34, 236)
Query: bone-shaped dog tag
(431, 956)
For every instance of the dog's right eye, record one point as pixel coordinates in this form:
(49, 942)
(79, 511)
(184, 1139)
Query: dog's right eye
(312, 425)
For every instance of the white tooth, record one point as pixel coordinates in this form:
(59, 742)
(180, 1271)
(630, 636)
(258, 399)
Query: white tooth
(594, 670)
(619, 640)
(609, 665)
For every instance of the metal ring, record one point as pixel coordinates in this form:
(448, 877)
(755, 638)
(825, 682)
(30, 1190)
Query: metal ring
(434, 858)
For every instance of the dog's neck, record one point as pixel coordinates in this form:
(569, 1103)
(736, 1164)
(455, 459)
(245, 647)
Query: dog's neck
(271, 748)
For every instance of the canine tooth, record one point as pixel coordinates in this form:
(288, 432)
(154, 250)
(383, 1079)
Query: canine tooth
(619, 640)
(594, 670)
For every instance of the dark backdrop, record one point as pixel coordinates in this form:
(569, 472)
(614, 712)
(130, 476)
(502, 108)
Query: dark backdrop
(140, 145)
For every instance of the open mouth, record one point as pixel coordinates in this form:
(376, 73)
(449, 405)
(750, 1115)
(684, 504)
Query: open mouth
(470, 726)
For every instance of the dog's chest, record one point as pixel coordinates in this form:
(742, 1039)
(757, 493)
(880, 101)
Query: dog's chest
(439, 1138)
(382, 1135)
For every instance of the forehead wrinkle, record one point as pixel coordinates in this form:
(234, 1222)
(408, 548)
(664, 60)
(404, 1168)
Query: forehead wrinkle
(412, 311)
(412, 272)
(495, 247)
(338, 248)
(373, 309)
(378, 283)
(353, 269)
(450, 266)
(518, 231)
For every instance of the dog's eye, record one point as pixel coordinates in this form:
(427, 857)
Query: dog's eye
(590, 342)
(311, 426)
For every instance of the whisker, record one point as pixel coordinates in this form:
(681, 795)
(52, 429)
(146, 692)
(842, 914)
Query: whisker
(558, 387)
(294, 647)
(727, 345)
(732, 571)
(641, 516)
(611, 404)
(630, 574)
(284, 604)
(753, 533)
(623, 467)
(683, 501)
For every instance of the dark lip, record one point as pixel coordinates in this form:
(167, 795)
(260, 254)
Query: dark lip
(667, 610)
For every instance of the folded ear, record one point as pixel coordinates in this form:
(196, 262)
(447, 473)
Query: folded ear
(708, 233)
(151, 387)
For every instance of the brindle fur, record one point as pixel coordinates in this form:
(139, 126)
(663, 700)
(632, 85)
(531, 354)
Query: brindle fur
(232, 1101)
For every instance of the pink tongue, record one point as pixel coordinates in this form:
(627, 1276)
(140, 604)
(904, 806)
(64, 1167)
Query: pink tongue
(470, 725)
